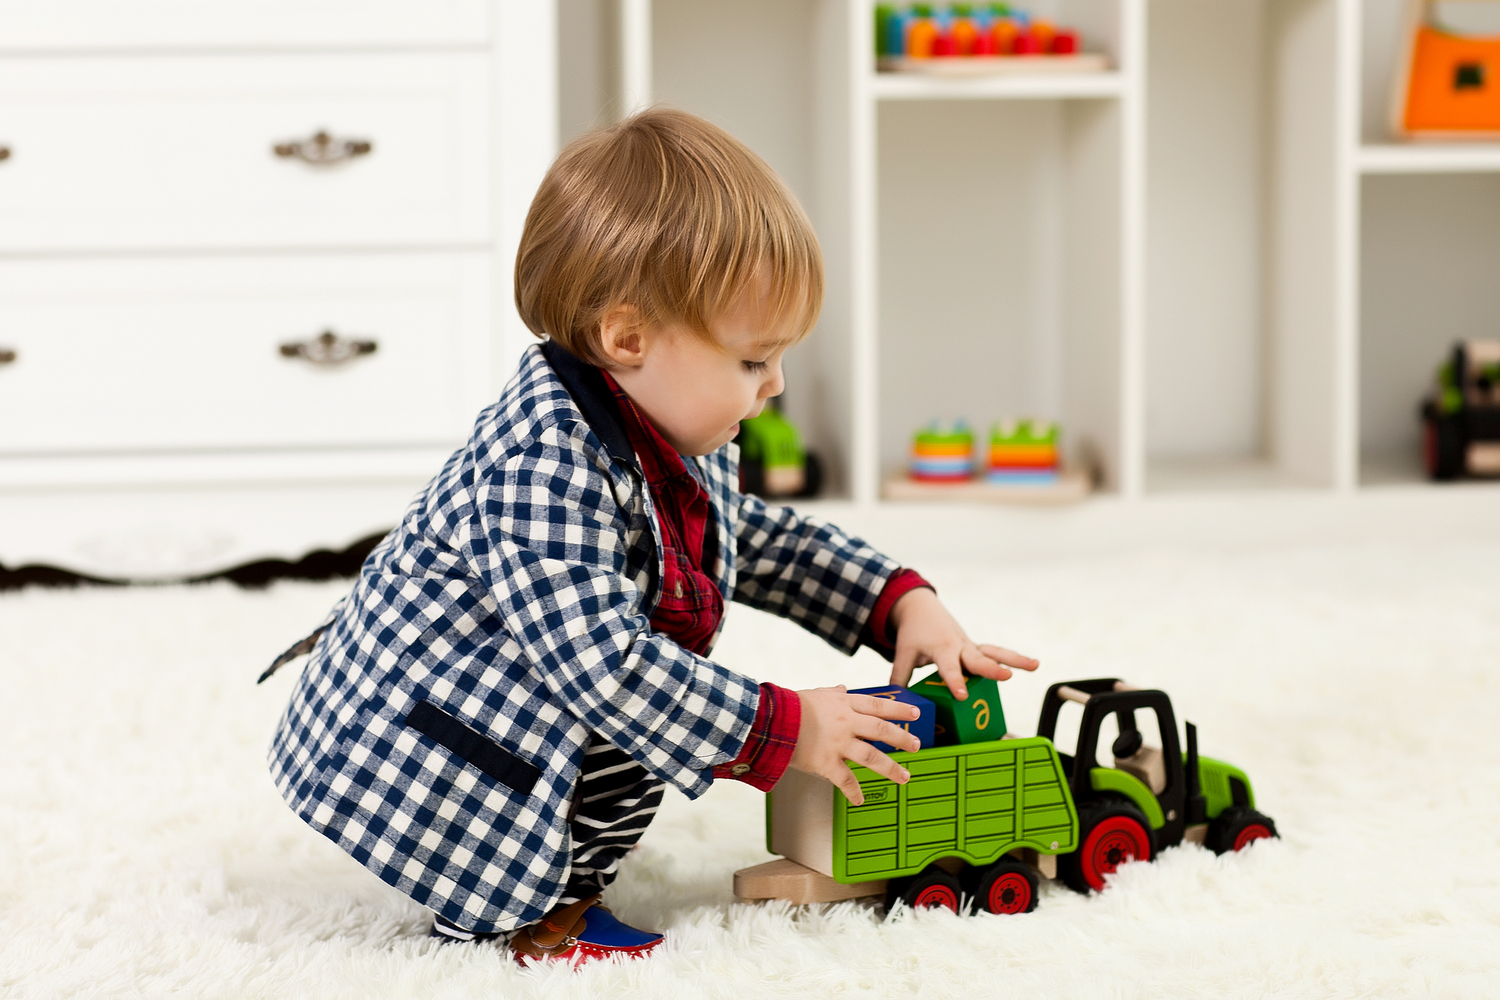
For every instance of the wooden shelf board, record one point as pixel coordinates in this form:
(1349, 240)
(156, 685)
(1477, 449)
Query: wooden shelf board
(1006, 86)
(1429, 158)
(1070, 488)
(968, 67)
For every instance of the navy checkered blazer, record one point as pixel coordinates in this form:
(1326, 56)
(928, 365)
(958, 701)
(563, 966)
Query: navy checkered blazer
(437, 731)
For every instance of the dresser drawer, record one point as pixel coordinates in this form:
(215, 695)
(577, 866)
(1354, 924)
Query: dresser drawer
(181, 152)
(172, 355)
(98, 25)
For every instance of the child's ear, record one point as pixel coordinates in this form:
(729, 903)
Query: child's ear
(622, 336)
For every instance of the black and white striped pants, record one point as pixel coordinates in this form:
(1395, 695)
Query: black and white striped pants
(615, 802)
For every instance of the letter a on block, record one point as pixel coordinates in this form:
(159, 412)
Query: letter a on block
(978, 719)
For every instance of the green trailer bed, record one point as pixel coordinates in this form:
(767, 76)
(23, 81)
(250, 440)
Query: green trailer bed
(975, 801)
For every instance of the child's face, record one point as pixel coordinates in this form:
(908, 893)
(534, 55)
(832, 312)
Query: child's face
(696, 393)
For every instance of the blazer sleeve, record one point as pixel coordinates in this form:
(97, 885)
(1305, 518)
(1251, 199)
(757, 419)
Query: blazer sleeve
(808, 570)
(550, 543)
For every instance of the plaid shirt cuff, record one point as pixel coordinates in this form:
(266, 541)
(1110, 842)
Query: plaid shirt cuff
(878, 632)
(773, 737)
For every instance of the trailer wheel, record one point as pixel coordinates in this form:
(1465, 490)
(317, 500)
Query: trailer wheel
(933, 887)
(1005, 887)
(1113, 833)
(1236, 828)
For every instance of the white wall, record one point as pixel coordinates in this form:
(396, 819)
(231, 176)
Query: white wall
(1205, 353)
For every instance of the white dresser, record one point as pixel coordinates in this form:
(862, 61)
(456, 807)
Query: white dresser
(255, 265)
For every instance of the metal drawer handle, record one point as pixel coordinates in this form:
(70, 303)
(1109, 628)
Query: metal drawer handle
(7, 356)
(4, 153)
(328, 349)
(323, 150)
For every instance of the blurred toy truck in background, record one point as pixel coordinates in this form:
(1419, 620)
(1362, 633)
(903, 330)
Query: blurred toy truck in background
(773, 462)
(1461, 418)
(982, 821)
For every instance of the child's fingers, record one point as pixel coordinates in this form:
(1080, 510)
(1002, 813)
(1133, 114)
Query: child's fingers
(1010, 657)
(981, 665)
(903, 665)
(883, 708)
(844, 780)
(869, 728)
(882, 764)
(950, 669)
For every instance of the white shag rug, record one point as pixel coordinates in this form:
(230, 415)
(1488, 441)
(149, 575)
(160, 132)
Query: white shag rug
(1346, 653)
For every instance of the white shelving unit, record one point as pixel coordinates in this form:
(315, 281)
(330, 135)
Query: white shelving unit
(1212, 263)
(1067, 313)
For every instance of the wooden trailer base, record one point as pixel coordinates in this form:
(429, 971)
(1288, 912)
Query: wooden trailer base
(784, 879)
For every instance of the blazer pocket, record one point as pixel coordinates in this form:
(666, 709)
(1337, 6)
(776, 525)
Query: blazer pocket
(470, 746)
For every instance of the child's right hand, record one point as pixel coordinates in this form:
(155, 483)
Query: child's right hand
(835, 728)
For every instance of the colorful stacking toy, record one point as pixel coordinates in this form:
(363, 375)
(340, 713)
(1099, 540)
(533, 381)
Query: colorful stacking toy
(942, 454)
(927, 31)
(1023, 452)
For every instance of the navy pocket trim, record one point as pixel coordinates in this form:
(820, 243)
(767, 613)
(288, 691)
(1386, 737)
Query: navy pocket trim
(487, 755)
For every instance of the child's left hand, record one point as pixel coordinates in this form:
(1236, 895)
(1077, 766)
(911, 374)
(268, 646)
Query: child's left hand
(927, 633)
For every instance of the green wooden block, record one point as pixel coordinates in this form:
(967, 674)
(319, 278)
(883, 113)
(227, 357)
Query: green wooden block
(977, 719)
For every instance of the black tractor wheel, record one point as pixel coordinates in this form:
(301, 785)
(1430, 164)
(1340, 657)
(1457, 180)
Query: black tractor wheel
(1236, 828)
(1007, 886)
(933, 887)
(1111, 833)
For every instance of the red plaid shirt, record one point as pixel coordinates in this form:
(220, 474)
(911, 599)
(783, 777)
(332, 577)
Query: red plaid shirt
(691, 606)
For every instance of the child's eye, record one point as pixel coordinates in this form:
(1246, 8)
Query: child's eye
(755, 367)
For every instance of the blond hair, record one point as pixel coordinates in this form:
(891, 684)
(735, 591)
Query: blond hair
(671, 216)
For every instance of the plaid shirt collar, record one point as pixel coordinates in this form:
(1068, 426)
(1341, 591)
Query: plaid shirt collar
(594, 399)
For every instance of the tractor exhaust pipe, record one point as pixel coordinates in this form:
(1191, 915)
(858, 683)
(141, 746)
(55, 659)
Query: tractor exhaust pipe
(1197, 805)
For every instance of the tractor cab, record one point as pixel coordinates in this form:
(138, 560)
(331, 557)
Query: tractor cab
(1154, 779)
(1145, 798)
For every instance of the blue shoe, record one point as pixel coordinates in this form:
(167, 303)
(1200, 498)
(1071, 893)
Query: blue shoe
(582, 932)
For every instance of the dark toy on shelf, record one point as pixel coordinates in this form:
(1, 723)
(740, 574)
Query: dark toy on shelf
(981, 823)
(1461, 418)
(773, 462)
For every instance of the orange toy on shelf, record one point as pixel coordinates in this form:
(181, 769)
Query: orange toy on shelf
(1449, 84)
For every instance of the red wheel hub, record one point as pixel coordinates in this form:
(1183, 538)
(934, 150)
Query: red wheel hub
(1114, 841)
(1009, 893)
(936, 895)
(1250, 834)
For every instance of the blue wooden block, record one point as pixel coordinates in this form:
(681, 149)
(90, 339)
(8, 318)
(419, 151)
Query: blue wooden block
(925, 726)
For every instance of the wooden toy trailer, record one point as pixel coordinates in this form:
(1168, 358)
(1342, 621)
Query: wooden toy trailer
(975, 819)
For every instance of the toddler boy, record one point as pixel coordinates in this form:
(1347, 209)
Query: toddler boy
(487, 722)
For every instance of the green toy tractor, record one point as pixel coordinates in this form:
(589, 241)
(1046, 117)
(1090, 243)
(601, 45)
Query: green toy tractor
(773, 462)
(980, 823)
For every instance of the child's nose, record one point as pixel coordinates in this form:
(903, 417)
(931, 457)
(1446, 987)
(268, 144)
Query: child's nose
(774, 385)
